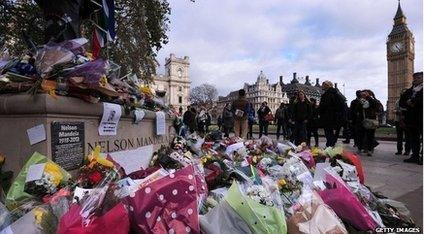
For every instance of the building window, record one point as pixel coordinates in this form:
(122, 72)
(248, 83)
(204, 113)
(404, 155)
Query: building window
(180, 99)
(180, 88)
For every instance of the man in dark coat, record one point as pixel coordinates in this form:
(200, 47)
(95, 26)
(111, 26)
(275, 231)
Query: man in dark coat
(301, 112)
(240, 116)
(263, 112)
(313, 123)
(227, 119)
(331, 111)
(355, 116)
(412, 101)
(281, 118)
(189, 119)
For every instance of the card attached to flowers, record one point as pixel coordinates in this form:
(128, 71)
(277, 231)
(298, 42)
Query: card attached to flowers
(35, 172)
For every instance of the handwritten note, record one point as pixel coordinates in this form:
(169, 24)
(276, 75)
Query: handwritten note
(35, 172)
(36, 134)
(109, 123)
(133, 160)
(160, 123)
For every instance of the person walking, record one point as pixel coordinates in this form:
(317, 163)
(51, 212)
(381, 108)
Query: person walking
(227, 120)
(300, 116)
(281, 118)
(312, 125)
(370, 110)
(347, 127)
(219, 122)
(189, 119)
(290, 124)
(240, 116)
(331, 111)
(251, 120)
(203, 120)
(265, 116)
(355, 116)
(412, 101)
(400, 131)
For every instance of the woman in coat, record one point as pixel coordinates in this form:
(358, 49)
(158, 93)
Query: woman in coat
(189, 119)
(370, 111)
(301, 111)
(251, 119)
(312, 125)
(263, 113)
(227, 119)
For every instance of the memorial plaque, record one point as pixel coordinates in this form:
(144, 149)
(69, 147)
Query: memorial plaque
(68, 144)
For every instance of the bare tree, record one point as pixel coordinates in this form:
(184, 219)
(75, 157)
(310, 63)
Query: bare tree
(203, 95)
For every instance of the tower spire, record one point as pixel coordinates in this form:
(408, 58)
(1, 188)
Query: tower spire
(399, 12)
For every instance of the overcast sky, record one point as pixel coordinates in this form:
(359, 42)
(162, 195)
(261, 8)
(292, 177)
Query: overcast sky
(229, 42)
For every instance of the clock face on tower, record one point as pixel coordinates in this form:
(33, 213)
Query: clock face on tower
(397, 47)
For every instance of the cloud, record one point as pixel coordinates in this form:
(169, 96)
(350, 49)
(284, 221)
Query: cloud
(229, 42)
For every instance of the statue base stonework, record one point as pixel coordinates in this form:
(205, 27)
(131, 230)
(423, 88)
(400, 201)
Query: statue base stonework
(71, 127)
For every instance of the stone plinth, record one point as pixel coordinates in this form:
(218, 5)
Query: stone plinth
(21, 112)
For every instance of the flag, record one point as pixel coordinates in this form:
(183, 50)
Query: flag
(104, 30)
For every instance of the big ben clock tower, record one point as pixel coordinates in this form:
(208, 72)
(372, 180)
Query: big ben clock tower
(400, 60)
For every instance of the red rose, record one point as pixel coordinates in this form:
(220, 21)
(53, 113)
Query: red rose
(95, 177)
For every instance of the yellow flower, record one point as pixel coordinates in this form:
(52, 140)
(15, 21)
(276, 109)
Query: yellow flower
(38, 215)
(95, 157)
(54, 171)
(255, 159)
(281, 182)
(89, 55)
(146, 90)
(103, 81)
(203, 159)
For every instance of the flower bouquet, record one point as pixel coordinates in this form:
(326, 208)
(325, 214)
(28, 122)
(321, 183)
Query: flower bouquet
(290, 191)
(259, 218)
(223, 219)
(346, 205)
(39, 219)
(98, 212)
(259, 194)
(5, 178)
(94, 170)
(311, 215)
(167, 205)
(353, 159)
(39, 177)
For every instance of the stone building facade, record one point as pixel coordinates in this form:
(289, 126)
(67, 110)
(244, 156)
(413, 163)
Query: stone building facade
(261, 91)
(176, 81)
(274, 94)
(311, 91)
(400, 60)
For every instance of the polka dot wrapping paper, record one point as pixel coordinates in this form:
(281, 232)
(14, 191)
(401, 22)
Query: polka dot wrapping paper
(168, 205)
(114, 221)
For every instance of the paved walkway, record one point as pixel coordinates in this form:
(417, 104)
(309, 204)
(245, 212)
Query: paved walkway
(386, 172)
